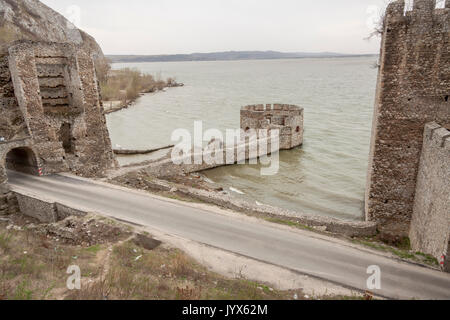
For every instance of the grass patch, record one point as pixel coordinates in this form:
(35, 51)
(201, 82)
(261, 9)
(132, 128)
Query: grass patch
(94, 249)
(34, 267)
(401, 253)
(429, 259)
(290, 223)
(180, 198)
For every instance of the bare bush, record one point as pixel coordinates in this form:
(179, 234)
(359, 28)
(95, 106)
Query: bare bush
(127, 84)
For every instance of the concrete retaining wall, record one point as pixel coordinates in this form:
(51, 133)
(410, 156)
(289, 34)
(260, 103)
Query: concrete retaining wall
(46, 211)
(42, 210)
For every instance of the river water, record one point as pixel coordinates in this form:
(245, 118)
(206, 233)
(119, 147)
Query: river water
(326, 176)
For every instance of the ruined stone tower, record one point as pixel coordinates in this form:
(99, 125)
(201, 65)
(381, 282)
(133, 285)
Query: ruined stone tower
(51, 115)
(286, 118)
(413, 89)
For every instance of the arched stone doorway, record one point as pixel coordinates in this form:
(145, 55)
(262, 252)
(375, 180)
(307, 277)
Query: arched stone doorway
(22, 159)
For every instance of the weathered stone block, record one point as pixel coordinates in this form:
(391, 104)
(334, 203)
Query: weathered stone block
(44, 211)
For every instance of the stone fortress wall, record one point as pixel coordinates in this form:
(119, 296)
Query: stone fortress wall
(52, 117)
(430, 226)
(286, 118)
(413, 89)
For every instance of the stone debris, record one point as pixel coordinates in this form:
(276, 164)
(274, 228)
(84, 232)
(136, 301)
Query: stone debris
(79, 231)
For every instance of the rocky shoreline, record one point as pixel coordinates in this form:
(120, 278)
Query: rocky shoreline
(194, 187)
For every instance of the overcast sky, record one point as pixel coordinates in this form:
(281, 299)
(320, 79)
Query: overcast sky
(186, 26)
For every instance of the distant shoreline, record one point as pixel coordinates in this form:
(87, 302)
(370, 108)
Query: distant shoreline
(228, 56)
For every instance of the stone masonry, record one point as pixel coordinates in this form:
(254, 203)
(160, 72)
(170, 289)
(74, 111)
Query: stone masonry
(52, 117)
(413, 89)
(286, 118)
(430, 226)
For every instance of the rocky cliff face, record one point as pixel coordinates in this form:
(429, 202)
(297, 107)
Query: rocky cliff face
(32, 20)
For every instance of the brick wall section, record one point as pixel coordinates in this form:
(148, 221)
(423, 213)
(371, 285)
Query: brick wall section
(430, 226)
(413, 89)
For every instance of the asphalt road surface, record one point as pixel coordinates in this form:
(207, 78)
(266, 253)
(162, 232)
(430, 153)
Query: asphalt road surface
(297, 250)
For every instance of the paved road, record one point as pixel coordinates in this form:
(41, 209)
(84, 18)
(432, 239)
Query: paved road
(297, 250)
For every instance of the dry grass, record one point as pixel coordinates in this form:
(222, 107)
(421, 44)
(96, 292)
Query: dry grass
(32, 266)
(168, 274)
(127, 84)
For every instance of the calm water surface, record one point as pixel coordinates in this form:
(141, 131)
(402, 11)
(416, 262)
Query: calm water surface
(326, 176)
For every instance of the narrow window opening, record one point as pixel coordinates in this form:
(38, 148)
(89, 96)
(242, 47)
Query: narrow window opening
(66, 138)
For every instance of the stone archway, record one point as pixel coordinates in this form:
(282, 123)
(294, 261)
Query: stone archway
(22, 159)
(15, 155)
(19, 155)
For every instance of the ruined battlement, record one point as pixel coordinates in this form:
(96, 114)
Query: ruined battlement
(273, 107)
(288, 119)
(437, 136)
(413, 89)
(398, 8)
(417, 42)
